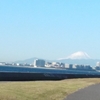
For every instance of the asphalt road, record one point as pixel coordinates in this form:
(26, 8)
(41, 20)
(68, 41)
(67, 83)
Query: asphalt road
(90, 93)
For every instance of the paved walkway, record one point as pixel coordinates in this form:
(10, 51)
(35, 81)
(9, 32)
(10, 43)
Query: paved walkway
(90, 93)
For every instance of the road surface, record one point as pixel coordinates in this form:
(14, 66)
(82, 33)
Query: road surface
(89, 93)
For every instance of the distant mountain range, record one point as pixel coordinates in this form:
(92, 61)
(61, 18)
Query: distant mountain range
(91, 62)
(29, 61)
(75, 58)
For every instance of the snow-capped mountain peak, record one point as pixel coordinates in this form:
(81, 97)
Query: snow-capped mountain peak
(77, 55)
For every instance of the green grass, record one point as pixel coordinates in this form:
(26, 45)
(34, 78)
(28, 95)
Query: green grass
(42, 90)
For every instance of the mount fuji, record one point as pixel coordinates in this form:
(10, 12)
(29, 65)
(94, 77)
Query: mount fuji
(77, 55)
(79, 58)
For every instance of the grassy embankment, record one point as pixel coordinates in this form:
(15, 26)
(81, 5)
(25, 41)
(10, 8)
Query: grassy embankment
(42, 90)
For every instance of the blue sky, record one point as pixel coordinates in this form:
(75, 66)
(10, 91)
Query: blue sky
(48, 29)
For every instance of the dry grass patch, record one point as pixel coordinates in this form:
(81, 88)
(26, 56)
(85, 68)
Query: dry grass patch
(42, 90)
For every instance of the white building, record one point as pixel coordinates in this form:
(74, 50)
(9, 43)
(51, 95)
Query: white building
(2, 63)
(69, 66)
(39, 63)
(98, 64)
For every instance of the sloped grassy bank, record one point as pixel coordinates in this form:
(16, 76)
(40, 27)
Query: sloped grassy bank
(42, 90)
